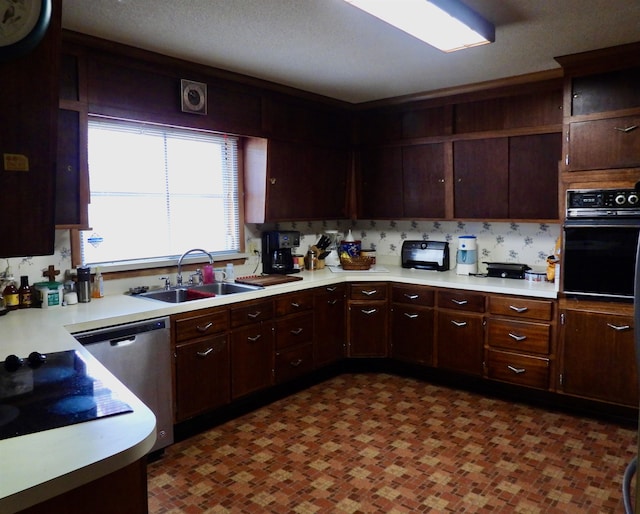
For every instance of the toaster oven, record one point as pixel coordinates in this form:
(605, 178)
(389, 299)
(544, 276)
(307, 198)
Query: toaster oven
(426, 255)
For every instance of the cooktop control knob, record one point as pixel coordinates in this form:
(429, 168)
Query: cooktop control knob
(12, 363)
(36, 359)
(620, 199)
(632, 199)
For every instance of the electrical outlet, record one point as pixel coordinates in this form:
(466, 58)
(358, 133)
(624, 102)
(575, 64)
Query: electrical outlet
(252, 247)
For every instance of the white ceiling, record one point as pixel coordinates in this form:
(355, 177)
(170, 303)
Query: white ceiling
(331, 48)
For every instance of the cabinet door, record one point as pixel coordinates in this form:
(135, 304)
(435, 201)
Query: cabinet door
(460, 342)
(367, 329)
(412, 334)
(533, 176)
(202, 376)
(599, 357)
(252, 358)
(381, 183)
(481, 175)
(423, 168)
(329, 323)
(71, 197)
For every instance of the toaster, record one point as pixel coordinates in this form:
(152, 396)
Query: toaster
(428, 255)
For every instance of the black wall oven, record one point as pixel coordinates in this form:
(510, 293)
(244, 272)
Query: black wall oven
(600, 243)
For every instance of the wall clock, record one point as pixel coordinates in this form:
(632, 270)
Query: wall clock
(23, 23)
(194, 96)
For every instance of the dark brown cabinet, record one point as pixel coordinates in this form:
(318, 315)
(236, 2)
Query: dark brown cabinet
(460, 330)
(367, 320)
(423, 181)
(294, 335)
(380, 182)
(329, 324)
(412, 324)
(598, 356)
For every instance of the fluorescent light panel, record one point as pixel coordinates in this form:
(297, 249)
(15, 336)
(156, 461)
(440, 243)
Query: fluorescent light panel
(445, 24)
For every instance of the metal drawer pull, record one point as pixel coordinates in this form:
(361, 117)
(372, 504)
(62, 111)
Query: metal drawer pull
(626, 129)
(332, 302)
(254, 338)
(517, 337)
(369, 293)
(410, 315)
(518, 309)
(296, 363)
(619, 328)
(295, 304)
(331, 289)
(205, 327)
(297, 331)
(517, 371)
(459, 323)
(205, 353)
(254, 315)
(412, 296)
(459, 302)
(370, 311)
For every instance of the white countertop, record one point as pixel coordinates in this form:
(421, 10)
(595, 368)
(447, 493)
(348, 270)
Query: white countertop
(38, 466)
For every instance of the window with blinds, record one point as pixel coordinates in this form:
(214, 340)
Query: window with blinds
(158, 191)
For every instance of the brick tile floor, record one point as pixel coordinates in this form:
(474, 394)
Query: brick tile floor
(364, 443)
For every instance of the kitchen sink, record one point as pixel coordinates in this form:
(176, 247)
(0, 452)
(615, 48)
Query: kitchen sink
(190, 293)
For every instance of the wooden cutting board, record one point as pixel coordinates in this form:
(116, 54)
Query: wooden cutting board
(267, 280)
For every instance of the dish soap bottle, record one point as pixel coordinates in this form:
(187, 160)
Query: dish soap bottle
(98, 285)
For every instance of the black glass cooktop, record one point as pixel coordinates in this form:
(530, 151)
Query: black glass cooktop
(41, 392)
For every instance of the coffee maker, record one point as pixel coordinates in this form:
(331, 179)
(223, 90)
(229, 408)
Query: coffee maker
(276, 251)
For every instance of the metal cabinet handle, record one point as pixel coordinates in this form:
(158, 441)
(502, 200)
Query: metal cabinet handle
(410, 315)
(518, 309)
(459, 323)
(204, 328)
(254, 315)
(254, 338)
(369, 293)
(205, 353)
(459, 302)
(517, 371)
(626, 129)
(297, 331)
(332, 302)
(618, 328)
(370, 311)
(331, 289)
(412, 296)
(517, 337)
(295, 304)
(296, 363)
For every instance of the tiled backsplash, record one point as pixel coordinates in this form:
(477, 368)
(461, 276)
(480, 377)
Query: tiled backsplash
(527, 243)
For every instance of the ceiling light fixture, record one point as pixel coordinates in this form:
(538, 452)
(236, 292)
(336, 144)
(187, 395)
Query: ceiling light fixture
(449, 25)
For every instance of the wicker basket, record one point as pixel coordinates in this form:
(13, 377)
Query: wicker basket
(356, 263)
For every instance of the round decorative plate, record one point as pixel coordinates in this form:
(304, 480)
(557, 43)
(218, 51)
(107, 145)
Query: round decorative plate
(23, 23)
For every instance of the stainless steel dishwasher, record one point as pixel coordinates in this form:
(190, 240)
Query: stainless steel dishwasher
(139, 355)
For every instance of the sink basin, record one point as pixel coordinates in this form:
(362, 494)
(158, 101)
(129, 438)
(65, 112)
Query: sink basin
(190, 293)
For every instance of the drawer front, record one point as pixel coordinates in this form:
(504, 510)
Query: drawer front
(518, 369)
(291, 303)
(414, 295)
(293, 330)
(294, 362)
(521, 307)
(202, 325)
(368, 291)
(461, 300)
(519, 335)
(251, 312)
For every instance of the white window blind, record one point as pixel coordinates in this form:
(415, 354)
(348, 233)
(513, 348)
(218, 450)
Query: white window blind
(158, 191)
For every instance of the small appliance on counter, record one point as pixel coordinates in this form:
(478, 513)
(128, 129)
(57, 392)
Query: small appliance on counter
(425, 255)
(467, 256)
(506, 269)
(277, 256)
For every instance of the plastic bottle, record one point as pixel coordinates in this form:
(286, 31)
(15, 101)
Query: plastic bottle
(24, 293)
(97, 290)
(11, 296)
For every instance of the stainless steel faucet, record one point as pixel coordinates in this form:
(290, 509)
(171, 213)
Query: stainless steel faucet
(179, 277)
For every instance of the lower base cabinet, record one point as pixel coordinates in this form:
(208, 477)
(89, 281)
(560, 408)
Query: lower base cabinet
(367, 320)
(252, 358)
(329, 324)
(412, 324)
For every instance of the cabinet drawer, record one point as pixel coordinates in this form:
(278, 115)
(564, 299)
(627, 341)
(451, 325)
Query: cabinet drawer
(294, 330)
(461, 300)
(519, 369)
(521, 307)
(201, 325)
(294, 362)
(251, 312)
(414, 295)
(368, 291)
(288, 304)
(518, 335)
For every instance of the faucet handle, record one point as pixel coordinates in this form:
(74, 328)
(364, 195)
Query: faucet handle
(197, 276)
(167, 282)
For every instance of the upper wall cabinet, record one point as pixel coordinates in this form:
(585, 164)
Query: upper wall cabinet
(28, 104)
(602, 109)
